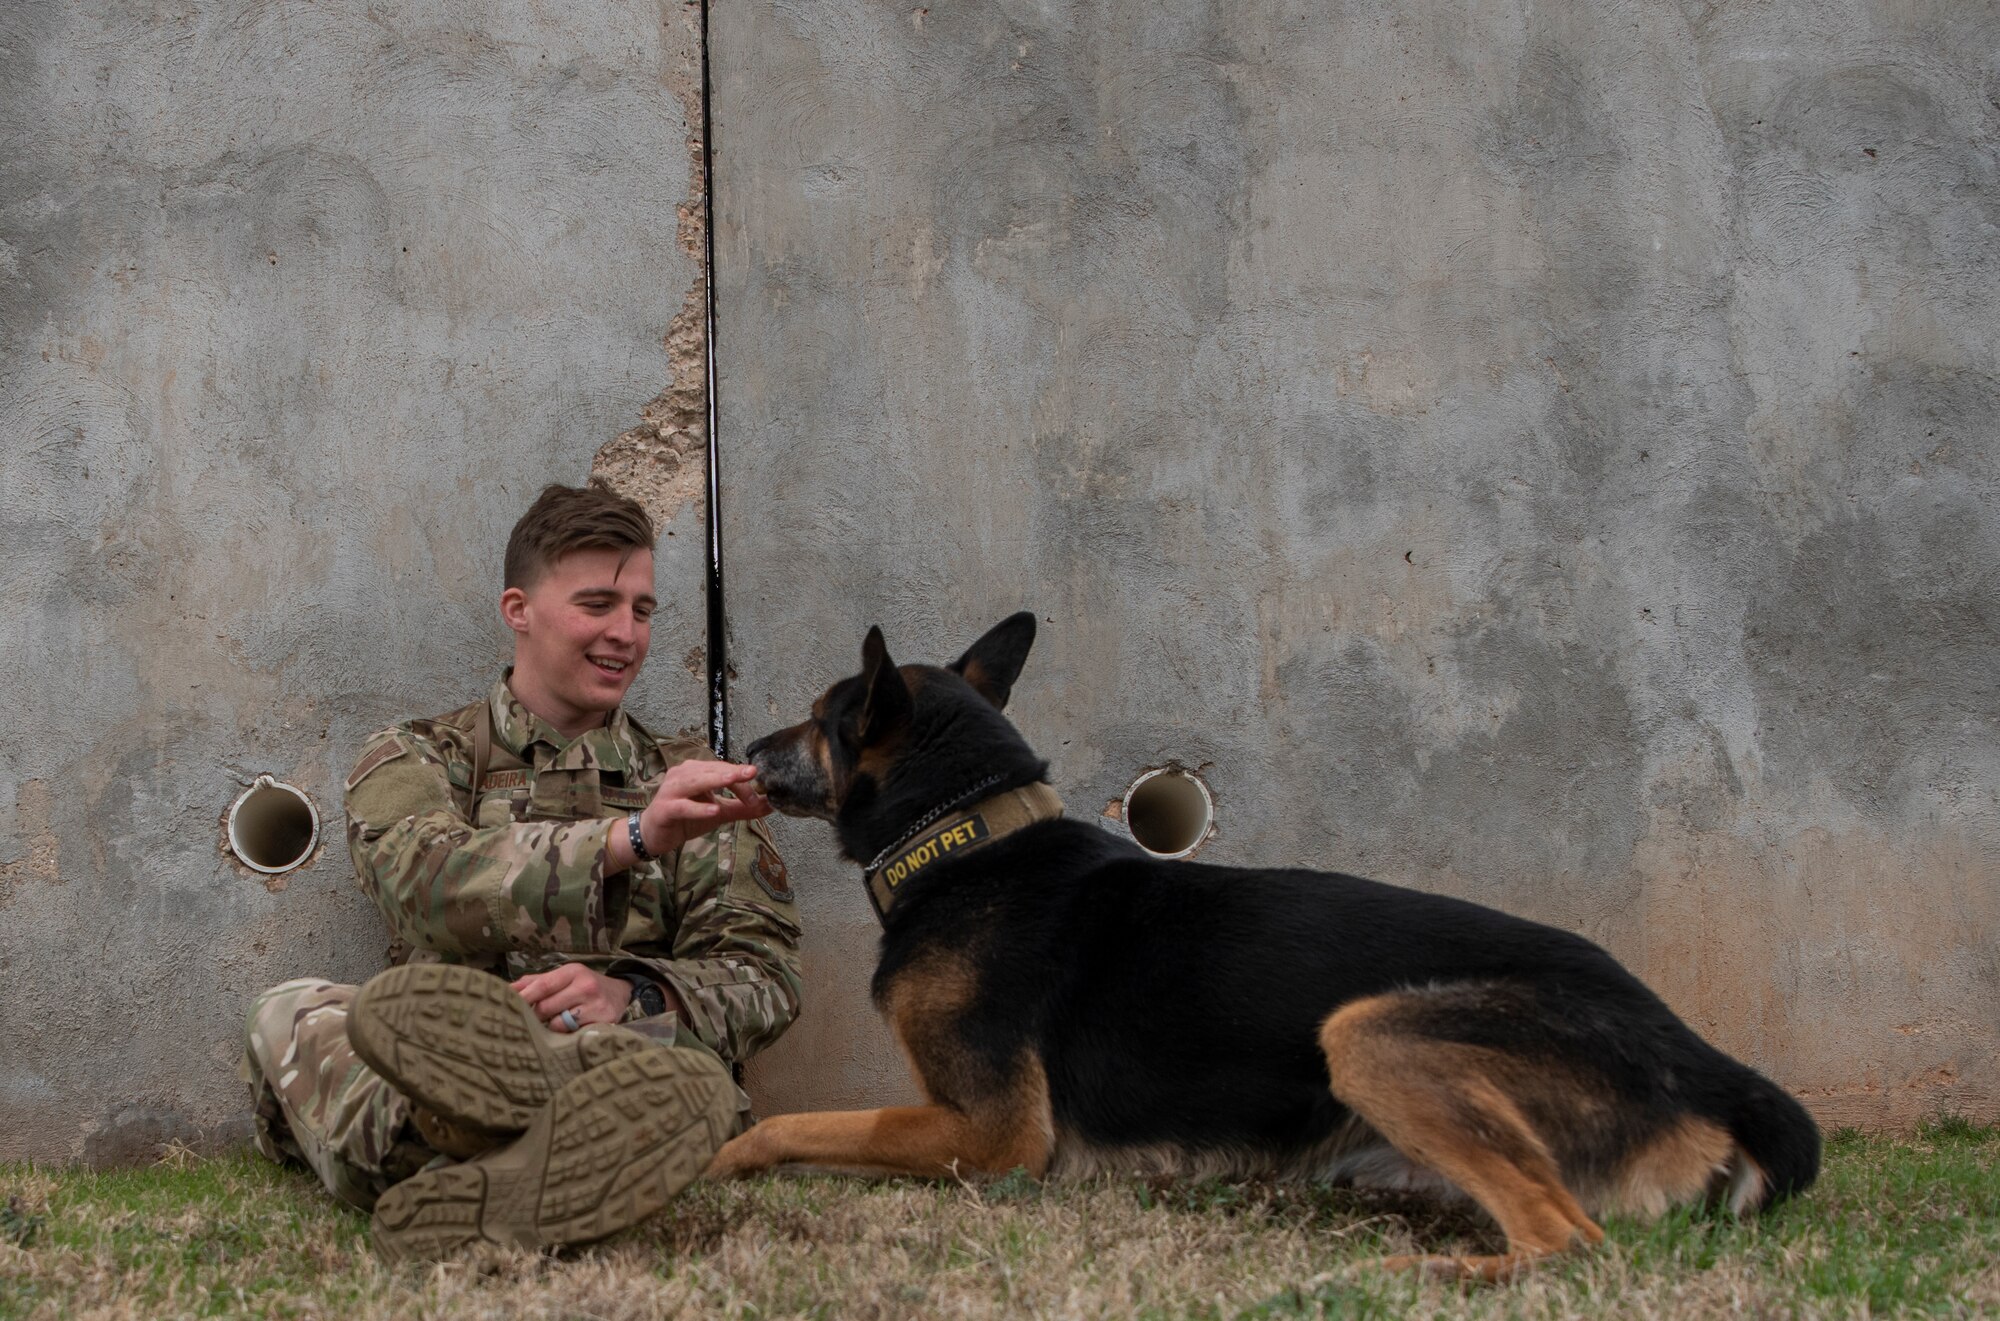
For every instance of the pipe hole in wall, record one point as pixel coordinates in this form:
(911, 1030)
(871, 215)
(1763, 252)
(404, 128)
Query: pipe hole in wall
(1169, 811)
(272, 826)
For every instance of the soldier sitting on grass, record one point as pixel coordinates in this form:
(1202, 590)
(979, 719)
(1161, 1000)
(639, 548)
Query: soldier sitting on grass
(590, 927)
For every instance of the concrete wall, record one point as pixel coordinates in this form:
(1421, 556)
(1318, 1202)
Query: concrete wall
(299, 305)
(1537, 452)
(1542, 453)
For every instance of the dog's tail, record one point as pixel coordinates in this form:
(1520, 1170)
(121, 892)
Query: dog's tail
(1777, 1142)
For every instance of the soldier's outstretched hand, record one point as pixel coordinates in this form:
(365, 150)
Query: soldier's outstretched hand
(697, 796)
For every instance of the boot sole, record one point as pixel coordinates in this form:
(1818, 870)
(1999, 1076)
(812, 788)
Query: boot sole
(464, 1045)
(611, 1148)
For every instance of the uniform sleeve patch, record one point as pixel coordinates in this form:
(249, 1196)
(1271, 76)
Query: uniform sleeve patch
(384, 752)
(769, 870)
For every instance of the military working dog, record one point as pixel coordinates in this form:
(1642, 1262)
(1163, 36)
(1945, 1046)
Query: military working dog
(1070, 1003)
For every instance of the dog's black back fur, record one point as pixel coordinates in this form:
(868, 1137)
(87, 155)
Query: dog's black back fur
(1169, 1007)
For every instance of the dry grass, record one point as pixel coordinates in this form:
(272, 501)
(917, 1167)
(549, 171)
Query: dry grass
(1895, 1227)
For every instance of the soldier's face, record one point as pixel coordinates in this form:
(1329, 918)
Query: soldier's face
(580, 634)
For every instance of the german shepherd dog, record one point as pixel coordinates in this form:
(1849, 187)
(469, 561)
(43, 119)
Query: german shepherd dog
(1070, 1003)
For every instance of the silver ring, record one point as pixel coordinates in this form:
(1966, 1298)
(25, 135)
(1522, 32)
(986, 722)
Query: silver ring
(568, 1019)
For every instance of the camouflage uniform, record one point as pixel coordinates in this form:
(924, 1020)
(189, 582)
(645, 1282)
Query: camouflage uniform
(508, 875)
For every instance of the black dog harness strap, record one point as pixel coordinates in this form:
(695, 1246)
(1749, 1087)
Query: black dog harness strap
(960, 832)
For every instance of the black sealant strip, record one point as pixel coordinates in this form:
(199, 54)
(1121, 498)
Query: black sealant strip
(718, 652)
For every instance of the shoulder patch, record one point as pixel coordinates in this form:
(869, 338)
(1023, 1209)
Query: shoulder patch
(769, 870)
(382, 754)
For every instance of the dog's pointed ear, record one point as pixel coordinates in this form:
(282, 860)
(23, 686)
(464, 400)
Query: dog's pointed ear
(887, 706)
(992, 664)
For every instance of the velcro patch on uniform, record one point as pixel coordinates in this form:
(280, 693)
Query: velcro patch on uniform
(385, 752)
(634, 798)
(503, 780)
(769, 870)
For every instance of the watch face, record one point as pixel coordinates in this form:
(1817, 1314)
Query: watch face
(648, 996)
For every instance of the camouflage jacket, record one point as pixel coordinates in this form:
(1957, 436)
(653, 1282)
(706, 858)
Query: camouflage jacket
(508, 875)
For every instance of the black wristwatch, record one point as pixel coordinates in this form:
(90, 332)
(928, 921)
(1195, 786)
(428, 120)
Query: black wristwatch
(647, 995)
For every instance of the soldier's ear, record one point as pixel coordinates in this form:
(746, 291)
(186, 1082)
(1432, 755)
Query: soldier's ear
(514, 609)
(992, 664)
(887, 707)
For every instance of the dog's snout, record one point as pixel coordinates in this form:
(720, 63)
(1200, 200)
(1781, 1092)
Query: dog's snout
(791, 778)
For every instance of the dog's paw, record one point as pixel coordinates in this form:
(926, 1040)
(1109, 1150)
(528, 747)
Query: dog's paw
(738, 1157)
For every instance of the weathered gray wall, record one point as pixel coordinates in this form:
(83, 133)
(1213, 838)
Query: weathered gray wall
(299, 305)
(1539, 452)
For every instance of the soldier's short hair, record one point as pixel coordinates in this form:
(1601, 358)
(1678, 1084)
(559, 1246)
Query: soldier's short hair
(567, 518)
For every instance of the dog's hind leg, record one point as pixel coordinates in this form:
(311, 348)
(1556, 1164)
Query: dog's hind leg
(1452, 1108)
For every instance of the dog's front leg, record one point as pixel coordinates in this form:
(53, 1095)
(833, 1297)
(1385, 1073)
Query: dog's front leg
(924, 1140)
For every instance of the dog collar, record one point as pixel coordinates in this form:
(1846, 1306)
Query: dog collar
(959, 832)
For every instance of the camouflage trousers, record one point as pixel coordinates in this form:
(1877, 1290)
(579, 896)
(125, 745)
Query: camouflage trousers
(316, 1104)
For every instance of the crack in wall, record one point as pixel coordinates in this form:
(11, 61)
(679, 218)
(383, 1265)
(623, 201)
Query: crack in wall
(662, 461)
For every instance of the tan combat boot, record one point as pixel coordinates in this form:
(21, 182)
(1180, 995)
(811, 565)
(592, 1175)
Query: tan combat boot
(463, 1045)
(609, 1149)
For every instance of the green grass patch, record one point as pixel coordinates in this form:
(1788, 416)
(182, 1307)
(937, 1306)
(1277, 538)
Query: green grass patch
(1895, 1227)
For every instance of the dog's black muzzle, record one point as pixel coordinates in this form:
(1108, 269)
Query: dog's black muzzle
(792, 779)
